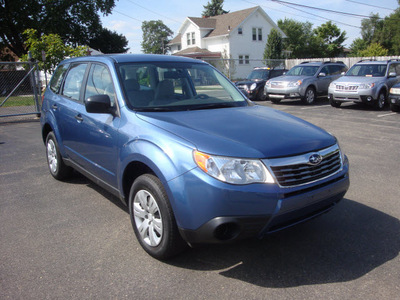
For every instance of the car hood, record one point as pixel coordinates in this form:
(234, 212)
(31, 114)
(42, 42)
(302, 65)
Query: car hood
(253, 131)
(358, 79)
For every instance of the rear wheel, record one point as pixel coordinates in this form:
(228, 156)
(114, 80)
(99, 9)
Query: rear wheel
(152, 218)
(309, 96)
(380, 103)
(56, 165)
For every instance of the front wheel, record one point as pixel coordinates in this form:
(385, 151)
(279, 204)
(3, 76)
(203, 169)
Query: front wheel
(309, 96)
(152, 218)
(56, 165)
(334, 103)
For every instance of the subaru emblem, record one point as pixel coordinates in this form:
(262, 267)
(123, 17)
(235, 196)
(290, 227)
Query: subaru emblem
(315, 159)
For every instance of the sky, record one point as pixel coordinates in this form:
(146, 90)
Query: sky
(128, 15)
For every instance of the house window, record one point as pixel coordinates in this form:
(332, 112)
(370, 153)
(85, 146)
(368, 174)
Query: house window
(188, 38)
(257, 34)
(240, 30)
(244, 59)
(193, 39)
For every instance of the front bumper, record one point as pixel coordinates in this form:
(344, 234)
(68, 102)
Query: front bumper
(394, 99)
(284, 93)
(223, 213)
(361, 96)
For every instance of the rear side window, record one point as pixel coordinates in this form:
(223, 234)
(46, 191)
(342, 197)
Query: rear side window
(73, 81)
(58, 77)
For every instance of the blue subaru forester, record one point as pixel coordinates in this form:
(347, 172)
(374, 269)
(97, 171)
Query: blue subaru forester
(195, 161)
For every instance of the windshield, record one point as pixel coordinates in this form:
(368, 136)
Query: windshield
(258, 74)
(302, 71)
(375, 70)
(177, 86)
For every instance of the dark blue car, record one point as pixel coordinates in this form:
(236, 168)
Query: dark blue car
(195, 161)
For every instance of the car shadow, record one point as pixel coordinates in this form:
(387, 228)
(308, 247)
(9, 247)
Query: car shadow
(296, 102)
(343, 245)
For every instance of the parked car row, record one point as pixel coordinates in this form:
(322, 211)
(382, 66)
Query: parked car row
(369, 82)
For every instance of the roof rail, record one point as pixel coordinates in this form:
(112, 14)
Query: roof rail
(394, 59)
(366, 60)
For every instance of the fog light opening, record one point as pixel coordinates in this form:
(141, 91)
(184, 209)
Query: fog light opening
(369, 99)
(226, 231)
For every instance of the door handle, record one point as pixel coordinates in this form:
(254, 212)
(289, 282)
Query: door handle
(54, 106)
(79, 118)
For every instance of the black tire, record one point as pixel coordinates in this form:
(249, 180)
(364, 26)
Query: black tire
(334, 103)
(309, 96)
(381, 101)
(260, 95)
(58, 169)
(394, 108)
(153, 219)
(275, 100)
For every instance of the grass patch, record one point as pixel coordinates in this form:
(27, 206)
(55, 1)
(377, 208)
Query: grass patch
(18, 101)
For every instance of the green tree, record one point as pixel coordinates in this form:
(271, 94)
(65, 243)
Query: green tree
(54, 48)
(357, 46)
(332, 39)
(156, 36)
(214, 8)
(116, 43)
(273, 48)
(76, 22)
(370, 27)
(374, 49)
(299, 41)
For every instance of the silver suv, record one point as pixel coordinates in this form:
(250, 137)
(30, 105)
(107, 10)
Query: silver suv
(366, 82)
(305, 81)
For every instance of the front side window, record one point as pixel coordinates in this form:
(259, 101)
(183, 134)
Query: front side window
(162, 86)
(73, 81)
(394, 68)
(99, 82)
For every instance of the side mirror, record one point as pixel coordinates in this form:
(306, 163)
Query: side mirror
(99, 104)
(392, 74)
(343, 73)
(322, 74)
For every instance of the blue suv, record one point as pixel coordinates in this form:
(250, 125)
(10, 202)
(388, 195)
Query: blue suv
(192, 158)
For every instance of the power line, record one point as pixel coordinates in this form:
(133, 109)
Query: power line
(391, 9)
(154, 12)
(321, 9)
(127, 16)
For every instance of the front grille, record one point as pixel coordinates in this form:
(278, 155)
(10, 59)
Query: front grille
(302, 173)
(349, 88)
(277, 85)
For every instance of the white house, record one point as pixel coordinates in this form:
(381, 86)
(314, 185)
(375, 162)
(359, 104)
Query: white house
(240, 35)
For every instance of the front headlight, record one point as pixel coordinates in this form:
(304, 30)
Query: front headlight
(294, 83)
(395, 91)
(233, 170)
(365, 86)
(253, 86)
(332, 85)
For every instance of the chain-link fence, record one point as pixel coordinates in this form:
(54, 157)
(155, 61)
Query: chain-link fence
(236, 69)
(19, 91)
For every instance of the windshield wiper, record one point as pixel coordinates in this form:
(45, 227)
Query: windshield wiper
(212, 106)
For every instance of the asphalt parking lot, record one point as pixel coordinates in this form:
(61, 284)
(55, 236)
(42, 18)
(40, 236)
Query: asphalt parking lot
(73, 240)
